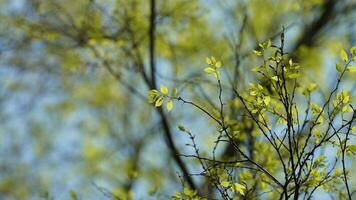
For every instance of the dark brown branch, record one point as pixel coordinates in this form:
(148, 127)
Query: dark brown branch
(165, 123)
(310, 32)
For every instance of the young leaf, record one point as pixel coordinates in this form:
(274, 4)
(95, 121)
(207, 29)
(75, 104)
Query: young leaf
(164, 90)
(258, 53)
(267, 100)
(338, 67)
(188, 191)
(213, 60)
(256, 69)
(293, 76)
(275, 78)
(346, 109)
(175, 92)
(351, 69)
(239, 188)
(353, 129)
(169, 105)
(343, 55)
(208, 61)
(290, 62)
(209, 70)
(225, 184)
(312, 87)
(353, 51)
(159, 102)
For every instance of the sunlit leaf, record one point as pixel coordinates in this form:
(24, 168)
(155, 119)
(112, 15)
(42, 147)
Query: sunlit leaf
(209, 70)
(164, 90)
(159, 102)
(351, 69)
(239, 188)
(343, 55)
(169, 105)
(339, 67)
(225, 184)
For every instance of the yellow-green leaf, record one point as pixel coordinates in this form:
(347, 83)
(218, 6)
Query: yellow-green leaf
(290, 62)
(175, 91)
(225, 184)
(209, 70)
(213, 60)
(346, 109)
(169, 105)
(256, 69)
(338, 67)
(208, 61)
(159, 102)
(164, 90)
(153, 92)
(353, 129)
(351, 69)
(353, 50)
(253, 93)
(239, 188)
(267, 100)
(312, 87)
(218, 64)
(343, 55)
(275, 78)
(188, 191)
(258, 53)
(294, 75)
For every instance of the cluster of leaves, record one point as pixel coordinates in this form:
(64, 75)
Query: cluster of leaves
(293, 146)
(157, 97)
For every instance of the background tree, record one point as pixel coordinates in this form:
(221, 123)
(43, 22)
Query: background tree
(74, 111)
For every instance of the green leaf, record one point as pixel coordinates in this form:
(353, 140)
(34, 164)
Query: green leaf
(169, 105)
(239, 188)
(218, 64)
(188, 192)
(293, 76)
(159, 102)
(351, 69)
(153, 92)
(343, 55)
(208, 61)
(175, 92)
(256, 69)
(253, 93)
(213, 60)
(210, 70)
(275, 78)
(164, 90)
(353, 50)
(353, 129)
(268, 44)
(290, 62)
(258, 53)
(267, 100)
(338, 67)
(312, 87)
(346, 109)
(225, 184)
